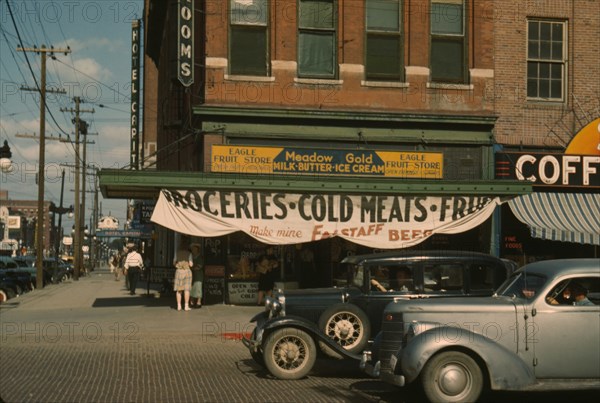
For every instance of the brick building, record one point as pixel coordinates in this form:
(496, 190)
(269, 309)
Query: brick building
(547, 103)
(443, 81)
(557, 40)
(27, 211)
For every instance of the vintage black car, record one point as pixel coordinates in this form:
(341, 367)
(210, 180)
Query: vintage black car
(540, 331)
(28, 264)
(341, 320)
(7, 289)
(11, 272)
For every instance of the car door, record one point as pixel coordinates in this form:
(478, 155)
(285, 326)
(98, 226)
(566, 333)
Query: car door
(566, 337)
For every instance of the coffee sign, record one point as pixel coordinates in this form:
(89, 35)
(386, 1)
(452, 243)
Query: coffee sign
(578, 167)
(550, 170)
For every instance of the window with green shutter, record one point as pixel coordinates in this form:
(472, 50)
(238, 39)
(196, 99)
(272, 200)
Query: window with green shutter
(384, 55)
(317, 26)
(248, 37)
(546, 60)
(448, 57)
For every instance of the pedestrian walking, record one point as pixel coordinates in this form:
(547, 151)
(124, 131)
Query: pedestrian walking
(197, 266)
(183, 279)
(134, 264)
(119, 262)
(113, 263)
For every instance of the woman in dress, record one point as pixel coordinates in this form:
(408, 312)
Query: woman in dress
(183, 279)
(197, 265)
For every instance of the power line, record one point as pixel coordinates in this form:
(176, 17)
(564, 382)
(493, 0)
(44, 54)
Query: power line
(95, 80)
(12, 17)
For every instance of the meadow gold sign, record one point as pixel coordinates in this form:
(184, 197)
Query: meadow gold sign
(333, 162)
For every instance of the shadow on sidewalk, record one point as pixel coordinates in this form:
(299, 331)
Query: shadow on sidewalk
(137, 300)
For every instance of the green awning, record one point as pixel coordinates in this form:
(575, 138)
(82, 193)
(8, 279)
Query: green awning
(146, 184)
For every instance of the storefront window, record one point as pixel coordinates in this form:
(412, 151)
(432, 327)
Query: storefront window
(242, 257)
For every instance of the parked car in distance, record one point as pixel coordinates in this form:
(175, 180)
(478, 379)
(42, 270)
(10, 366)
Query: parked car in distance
(54, 270)
(341, 320)
(7, 262)
(7, 289)
(22, 280)
(540, 331)
(57, 269)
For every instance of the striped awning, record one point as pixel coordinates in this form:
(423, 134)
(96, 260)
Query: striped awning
(568, 217)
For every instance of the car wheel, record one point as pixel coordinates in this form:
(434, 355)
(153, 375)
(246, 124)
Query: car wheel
(64, 277)
(347, 325)
(257, 355)
(3, 296)
(452, 377)
(289, 353)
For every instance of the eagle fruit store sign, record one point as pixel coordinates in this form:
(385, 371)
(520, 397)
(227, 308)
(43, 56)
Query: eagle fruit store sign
(330, 162)
(376, 221)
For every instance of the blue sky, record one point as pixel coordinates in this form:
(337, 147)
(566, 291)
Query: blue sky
(97, 70)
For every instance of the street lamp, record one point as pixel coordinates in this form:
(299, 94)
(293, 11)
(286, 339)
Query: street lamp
(5, 155)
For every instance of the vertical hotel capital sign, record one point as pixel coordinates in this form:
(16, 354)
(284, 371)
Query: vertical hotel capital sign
(185, 42)
(134, 159)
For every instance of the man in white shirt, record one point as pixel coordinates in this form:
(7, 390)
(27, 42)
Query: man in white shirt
(134, 264)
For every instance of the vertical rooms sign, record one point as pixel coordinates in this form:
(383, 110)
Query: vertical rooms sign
(185, 43)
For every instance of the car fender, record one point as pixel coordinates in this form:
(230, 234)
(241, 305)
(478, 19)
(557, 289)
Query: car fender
(507, 370)
(260, 318)
(309, 327)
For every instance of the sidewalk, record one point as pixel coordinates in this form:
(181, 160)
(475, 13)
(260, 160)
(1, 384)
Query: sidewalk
(99, 299)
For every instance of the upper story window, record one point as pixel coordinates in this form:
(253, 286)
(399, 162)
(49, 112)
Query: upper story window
(384, 55)
(248, 37)
(317, 26)
(546, 60)
(448, 42)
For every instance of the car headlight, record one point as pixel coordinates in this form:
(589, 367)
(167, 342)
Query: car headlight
(268, 303)
(281, 300)
(273, 306)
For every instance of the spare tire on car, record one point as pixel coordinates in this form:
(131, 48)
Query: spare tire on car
(347, 325)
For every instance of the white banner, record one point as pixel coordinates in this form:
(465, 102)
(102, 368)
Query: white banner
(376, 221)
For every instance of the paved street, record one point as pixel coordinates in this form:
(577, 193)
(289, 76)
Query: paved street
(90, 341)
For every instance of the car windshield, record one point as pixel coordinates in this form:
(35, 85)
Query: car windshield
(522, 285)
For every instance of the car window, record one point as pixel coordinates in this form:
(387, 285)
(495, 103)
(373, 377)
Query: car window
(402, 278)
(481, 277)
(443, 277)
(522, 285)
(576, 291)
(381, 274)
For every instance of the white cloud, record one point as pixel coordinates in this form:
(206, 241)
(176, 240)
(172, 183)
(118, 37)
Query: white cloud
(95, 43)
(81, 71)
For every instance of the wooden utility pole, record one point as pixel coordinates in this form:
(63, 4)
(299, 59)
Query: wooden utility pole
(93, 246)
(39, 249)
(79, 217)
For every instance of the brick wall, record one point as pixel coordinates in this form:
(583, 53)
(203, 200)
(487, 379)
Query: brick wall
(545, 124)
(350, 91)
